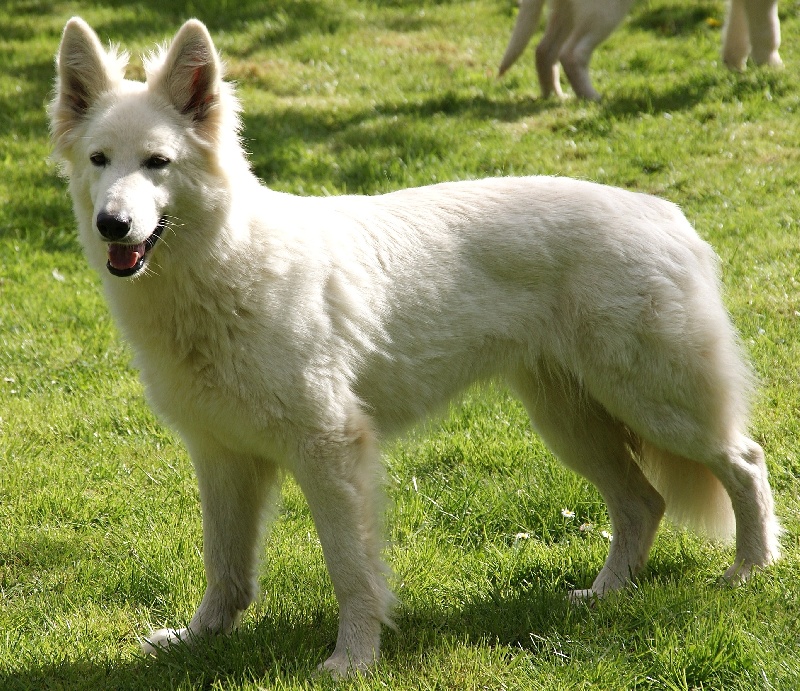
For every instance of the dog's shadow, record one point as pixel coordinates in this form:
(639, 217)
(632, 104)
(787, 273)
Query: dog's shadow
(273, 648)
(279, 646)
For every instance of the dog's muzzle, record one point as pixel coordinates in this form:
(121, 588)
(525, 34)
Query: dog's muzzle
(125, 259)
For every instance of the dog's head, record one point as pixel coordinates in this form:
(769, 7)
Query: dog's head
(136, 152)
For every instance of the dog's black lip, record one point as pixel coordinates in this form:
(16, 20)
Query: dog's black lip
(148, 245)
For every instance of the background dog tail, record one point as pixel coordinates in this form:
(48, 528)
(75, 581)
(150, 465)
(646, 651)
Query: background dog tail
(695, 498)
(527, 21)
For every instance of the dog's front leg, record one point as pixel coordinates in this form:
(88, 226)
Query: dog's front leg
(340, 477)
(234, 490)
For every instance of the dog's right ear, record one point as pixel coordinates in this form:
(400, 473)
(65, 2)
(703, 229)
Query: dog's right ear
(84, 71)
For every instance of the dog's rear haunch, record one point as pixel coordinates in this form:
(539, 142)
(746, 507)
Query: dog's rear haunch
(278, 333)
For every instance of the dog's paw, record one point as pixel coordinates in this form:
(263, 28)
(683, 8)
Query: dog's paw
(341, 667)
(163, 639)
(740, 572)
(742, 569)
(585, 596)
(737, 573)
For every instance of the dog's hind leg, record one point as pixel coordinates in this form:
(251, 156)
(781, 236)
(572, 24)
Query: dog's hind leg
(559, 26)
(702, 479)
(590, 441)
(234, 493)
(593, 25)
(686, 401)
(339, 473)
(741, 469)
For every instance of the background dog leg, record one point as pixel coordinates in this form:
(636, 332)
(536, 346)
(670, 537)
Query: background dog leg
(340, 480)
(591, 29)
(736, 36)
(233, 495)
(559, 26)
(765, 31)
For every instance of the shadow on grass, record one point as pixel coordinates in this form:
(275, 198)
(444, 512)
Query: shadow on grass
(275, 648)
(676, 21)
(516, 612)
(360, 145)
(537, 622)
(678, 97)
(237, 659)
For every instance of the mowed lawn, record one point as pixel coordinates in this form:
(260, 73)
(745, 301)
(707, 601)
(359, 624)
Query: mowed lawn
(100, 536)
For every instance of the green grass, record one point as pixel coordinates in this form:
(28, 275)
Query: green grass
(100, 519)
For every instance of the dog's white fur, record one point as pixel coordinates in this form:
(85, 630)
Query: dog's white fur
(576, 27)
(283, 333)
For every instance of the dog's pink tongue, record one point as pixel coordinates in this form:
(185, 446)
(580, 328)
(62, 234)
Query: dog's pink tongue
(124, 257)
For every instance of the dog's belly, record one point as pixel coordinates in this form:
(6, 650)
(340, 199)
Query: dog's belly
(401, 390)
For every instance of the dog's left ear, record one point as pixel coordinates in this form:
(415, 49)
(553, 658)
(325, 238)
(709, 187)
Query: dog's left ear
(191, 75)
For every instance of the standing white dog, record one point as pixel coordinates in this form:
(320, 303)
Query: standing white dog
(283, 333)
(576, 27)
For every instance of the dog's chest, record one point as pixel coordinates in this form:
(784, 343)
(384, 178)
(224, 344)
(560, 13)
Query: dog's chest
(207, 363)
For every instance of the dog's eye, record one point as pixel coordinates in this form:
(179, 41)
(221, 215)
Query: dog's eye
(156, 162)
(98, 158)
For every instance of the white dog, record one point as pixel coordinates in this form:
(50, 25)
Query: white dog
(279, 333)
(576, 27)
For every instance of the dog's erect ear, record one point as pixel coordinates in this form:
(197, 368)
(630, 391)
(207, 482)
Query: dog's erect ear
(190, 75)
(84, 71)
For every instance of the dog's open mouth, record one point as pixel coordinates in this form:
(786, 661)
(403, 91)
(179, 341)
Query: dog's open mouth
(127, 260)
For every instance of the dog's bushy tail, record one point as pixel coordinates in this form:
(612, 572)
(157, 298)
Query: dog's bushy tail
(527, 21)
(695, 498)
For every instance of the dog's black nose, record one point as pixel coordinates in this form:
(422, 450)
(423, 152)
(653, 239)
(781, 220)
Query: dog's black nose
(113, 226)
